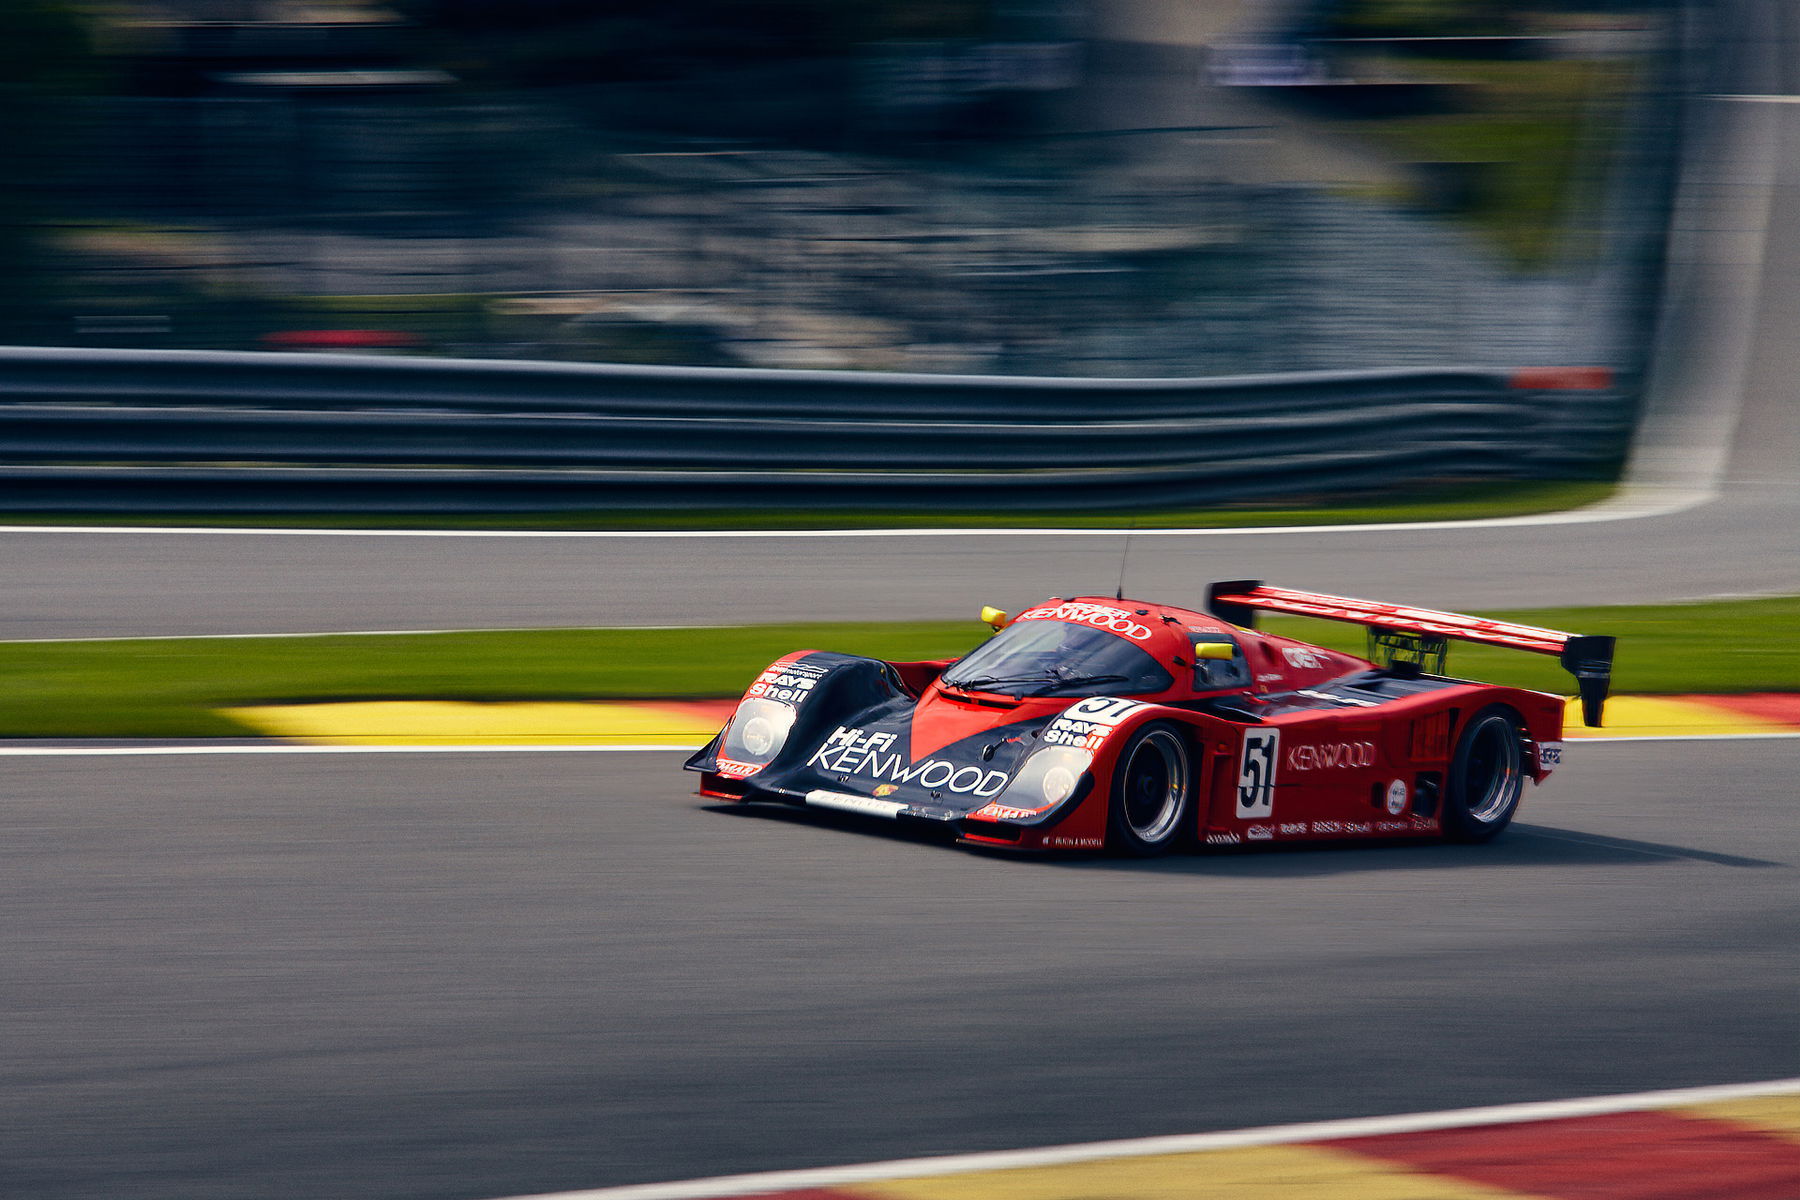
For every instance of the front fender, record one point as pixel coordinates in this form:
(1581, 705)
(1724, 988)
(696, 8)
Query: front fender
(1099, 727)
(808, 689)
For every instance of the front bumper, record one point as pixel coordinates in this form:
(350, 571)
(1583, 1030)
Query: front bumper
(1033, 833)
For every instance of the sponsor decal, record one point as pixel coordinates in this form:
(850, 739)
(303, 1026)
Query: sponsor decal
(1259, 833)
(1392, 826)
(1270, 678)
(790, 684)
(852, 751)
(1327, 827)
(886, 789)
(1074, 843)
(1423, 620)
(1290, 828)
(1087, 725)
(1424, 823)
(730, 768)
(1100, 616)
(1305, 659)
(1340, 701)
(1005, 812)
(1549, 755)
(866, 805)
(1358, 827)
(1256, 774)
(1397, 796)
(1331, 756)
(932, 812)
(1223, 839)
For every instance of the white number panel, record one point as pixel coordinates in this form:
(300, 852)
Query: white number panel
(1256, 774)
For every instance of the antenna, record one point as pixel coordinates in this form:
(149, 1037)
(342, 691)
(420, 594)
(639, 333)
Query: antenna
(1125, 557)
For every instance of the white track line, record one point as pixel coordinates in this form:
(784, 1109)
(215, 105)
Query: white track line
(1631, 503)
(253, 746)
(1272, 1135)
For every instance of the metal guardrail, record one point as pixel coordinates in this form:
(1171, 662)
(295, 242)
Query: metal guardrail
(114, 430)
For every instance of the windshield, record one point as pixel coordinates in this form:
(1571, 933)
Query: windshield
(1055, 658)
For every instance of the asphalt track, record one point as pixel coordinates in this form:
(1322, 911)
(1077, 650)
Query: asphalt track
(102, 585)
(479, 975)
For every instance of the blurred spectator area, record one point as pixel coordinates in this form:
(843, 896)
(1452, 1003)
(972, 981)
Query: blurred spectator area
(1025, 186)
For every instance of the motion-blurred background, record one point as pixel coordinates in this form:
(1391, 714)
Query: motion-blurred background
(1049, 187)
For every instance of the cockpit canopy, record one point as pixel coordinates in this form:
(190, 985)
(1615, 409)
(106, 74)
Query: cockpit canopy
(1057, 658)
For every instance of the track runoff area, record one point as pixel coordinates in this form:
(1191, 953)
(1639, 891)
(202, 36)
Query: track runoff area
(448, 727)
(1736, 1142)
(681, 725)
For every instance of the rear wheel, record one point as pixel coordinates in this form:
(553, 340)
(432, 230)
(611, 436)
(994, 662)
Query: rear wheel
(1151, 792)
(1487, 776)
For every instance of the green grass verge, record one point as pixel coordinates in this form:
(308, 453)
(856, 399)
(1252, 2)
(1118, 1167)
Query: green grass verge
(1451, 503)
(1533, 124)
(171, 688)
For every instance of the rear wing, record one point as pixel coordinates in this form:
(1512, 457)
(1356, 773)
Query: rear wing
(1419, 635)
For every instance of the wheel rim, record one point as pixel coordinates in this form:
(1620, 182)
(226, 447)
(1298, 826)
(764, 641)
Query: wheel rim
(1494, 773)
(1155, 782)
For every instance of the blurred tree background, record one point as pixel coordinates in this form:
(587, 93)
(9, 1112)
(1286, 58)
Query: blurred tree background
(46, 62)
(547, 42)
(965, 185)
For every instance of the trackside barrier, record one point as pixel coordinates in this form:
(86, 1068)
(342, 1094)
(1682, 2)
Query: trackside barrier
(113, 430)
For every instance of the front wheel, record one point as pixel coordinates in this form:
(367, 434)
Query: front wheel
(1487, 776)
(1151, 792)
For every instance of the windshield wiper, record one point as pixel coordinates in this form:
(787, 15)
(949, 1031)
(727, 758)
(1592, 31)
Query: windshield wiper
(1054, 679)
(1069, 679)
(983, 681)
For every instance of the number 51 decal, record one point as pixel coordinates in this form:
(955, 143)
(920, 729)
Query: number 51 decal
(1256, 774)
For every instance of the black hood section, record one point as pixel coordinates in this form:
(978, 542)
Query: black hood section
(852, 735)
(869, 754)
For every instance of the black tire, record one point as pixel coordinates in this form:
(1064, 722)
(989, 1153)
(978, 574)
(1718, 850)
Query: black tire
(1487, 776)
(1152, 792)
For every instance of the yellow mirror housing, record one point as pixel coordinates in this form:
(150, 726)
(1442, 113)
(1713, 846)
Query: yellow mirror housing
(1218, 651)
(995, 617)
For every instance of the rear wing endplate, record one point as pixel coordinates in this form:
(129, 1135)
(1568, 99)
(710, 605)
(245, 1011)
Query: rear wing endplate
(1588, 657)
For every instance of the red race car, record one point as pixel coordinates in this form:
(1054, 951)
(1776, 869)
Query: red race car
(1092, 723)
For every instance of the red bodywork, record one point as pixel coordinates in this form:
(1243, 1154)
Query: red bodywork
(1311, 748)
(1334, 765)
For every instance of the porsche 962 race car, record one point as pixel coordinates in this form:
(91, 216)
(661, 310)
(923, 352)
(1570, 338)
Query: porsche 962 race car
(1091, 723)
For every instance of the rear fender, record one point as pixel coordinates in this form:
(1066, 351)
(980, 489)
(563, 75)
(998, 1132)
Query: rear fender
(1419, 736)
(1543, 715)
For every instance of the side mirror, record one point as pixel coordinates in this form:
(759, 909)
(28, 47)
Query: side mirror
(1216, 651)
(995, 618)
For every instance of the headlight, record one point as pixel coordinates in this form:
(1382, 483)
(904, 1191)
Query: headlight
(761, 736)
(1048, 777)
(759, 729)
